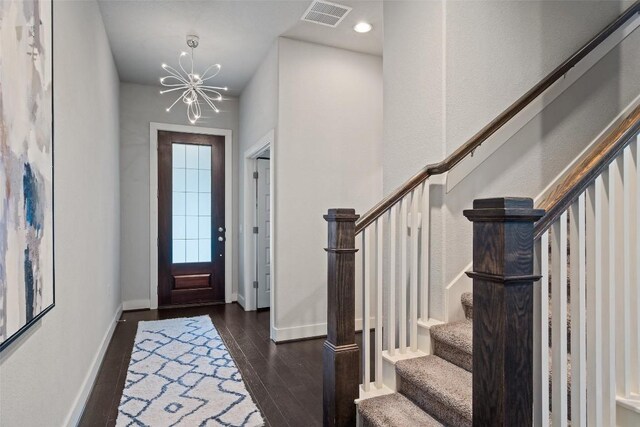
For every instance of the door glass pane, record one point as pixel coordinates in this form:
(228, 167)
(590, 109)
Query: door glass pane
(192, 251)
(178, 156)
(179, 203)
(204, 250)
(204, 157)
(204, 229)
(204, 205)
(178, 250)
(191, 203)
(192, 156)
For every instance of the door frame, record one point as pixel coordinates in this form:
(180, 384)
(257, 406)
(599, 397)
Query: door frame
(248, 300)
(229, 243)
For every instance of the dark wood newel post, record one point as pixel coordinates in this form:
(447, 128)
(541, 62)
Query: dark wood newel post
(503, 310)
(340, 355)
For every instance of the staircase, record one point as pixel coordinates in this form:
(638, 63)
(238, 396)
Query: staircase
(557, 353)
(433, 390)
(436, 390)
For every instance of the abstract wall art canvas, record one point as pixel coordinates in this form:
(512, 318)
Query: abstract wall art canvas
(26, 165)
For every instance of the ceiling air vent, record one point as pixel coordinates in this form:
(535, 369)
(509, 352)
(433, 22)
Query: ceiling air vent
(326, 13)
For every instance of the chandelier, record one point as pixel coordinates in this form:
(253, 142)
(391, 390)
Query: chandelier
(192, 87)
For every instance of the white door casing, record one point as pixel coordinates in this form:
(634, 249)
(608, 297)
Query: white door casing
(263, 237)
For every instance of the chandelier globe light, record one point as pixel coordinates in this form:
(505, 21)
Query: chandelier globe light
(191, 86)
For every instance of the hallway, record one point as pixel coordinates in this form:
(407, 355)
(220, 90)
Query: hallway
(284, 380)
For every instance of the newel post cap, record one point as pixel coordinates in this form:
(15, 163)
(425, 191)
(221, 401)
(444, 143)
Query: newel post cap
(504, 209)
(341, 215)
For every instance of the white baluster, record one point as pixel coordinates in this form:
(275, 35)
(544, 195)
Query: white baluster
(413, 261)
(393, 228)
(379, 290)
(635, 343)
(366, 303)
(559, 321)
(541, 335)
(615, 276)
(402, 330)
(424, 253)
(577, 236)
(594, 276)
(626, 376)
(536, 335)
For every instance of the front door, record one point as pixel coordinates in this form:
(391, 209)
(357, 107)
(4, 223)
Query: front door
(191, 223)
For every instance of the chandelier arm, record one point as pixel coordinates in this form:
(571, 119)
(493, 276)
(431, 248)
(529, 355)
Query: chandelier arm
(193, 111)
(175, 85)
(208, 101)
(176, 101)
(171, 80)
(216, 98)
(175, 74)
(210, 90)
(211, 76)
(207, 87)
(202, 77)
(174, 89)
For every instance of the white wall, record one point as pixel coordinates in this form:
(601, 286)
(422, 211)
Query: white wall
(140, 105)
(481, 57)
(328, 153)
(45, 374)
(413, 88)
(533, 157)
(497, 50)
(258, 115)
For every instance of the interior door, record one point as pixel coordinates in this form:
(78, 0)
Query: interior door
(191, 219)
(263, 237)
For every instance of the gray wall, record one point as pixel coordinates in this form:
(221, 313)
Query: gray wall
(140, 105)
(258, 115)
(413, 89)
(328, 153)
(45, 374)
(537, 154)
(497, 50)
(480, 57)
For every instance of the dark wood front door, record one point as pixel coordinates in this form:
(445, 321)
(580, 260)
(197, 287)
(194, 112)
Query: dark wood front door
(191, 223)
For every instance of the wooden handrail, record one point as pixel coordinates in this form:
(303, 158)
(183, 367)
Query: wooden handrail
(587, 170)
(497, 123)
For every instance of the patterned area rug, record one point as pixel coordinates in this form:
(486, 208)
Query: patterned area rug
(181, 374)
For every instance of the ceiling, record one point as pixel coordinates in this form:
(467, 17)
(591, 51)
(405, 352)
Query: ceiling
(237, 34)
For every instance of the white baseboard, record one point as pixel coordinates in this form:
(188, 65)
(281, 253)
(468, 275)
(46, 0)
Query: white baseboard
(309, 331)
(73, 418)
(136, 304)
(242, 302)
(299, 332)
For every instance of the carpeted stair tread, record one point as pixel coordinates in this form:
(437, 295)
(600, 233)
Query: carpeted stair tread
(393, 410)
(467, 304)
(454, 343)
(440, 388)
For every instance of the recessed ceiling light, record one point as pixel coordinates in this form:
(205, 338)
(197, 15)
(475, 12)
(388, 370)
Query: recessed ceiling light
(362, 27)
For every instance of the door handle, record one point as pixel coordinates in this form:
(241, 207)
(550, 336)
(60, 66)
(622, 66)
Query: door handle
(220, 239)
(221, 229)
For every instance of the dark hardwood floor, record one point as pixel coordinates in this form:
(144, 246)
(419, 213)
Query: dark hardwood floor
(285, 380)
